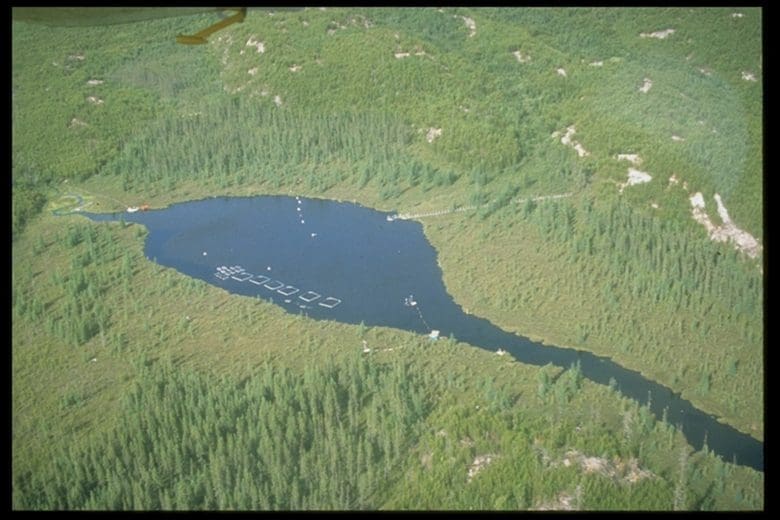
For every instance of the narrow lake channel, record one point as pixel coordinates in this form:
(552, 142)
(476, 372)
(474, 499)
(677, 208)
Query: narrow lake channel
(344, 262)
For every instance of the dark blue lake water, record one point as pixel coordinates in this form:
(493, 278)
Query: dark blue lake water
(339, 261)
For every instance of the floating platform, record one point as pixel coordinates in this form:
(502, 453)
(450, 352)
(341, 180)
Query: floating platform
(242, 277)
(309, 296)
(259, 279)
(329, 302)
(274, 285)
(221, 275)
(289, 290)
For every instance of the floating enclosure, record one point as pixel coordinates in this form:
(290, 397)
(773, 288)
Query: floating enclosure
(259, 279)
(309, 296)
(274, 285)
(287, 291)
(242, 277)
(329, 302)
(221, 276)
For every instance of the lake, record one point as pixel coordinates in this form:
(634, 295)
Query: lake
(339, 261)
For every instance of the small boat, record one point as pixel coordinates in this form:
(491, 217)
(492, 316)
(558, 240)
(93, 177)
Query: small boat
(133, 209)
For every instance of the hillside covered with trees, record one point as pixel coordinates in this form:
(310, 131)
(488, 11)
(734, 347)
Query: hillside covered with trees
(132, 389)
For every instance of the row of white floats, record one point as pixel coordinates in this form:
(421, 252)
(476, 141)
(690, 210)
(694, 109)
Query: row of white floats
(238, 273)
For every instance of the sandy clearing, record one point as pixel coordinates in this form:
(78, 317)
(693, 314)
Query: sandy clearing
(433, 133)
(365, 22)
(748, 76)
(228, 39)
(562, 502)
(480, 461)
(561, 72)
(470, 24)
(635, 177)
(567, 140)
(335, 26)
(278, 100)
(660, 35)
(630, 157)
(727, 231)
(722, 212)
(582, 152)
(260, 46)
(522, 58)
(617, 469)
(638, 177)
(252, 71)
(646, 86)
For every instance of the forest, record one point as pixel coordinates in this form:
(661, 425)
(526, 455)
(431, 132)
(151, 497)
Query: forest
(132, 388)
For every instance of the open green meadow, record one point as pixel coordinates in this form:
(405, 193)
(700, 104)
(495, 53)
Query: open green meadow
(135, 387)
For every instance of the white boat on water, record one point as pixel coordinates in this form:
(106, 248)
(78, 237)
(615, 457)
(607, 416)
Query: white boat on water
(133, 209)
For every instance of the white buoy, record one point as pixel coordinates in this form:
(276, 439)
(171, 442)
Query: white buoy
(298, 209)
(314, 235)
(269, 267)
(303, 221)
(204, 253)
